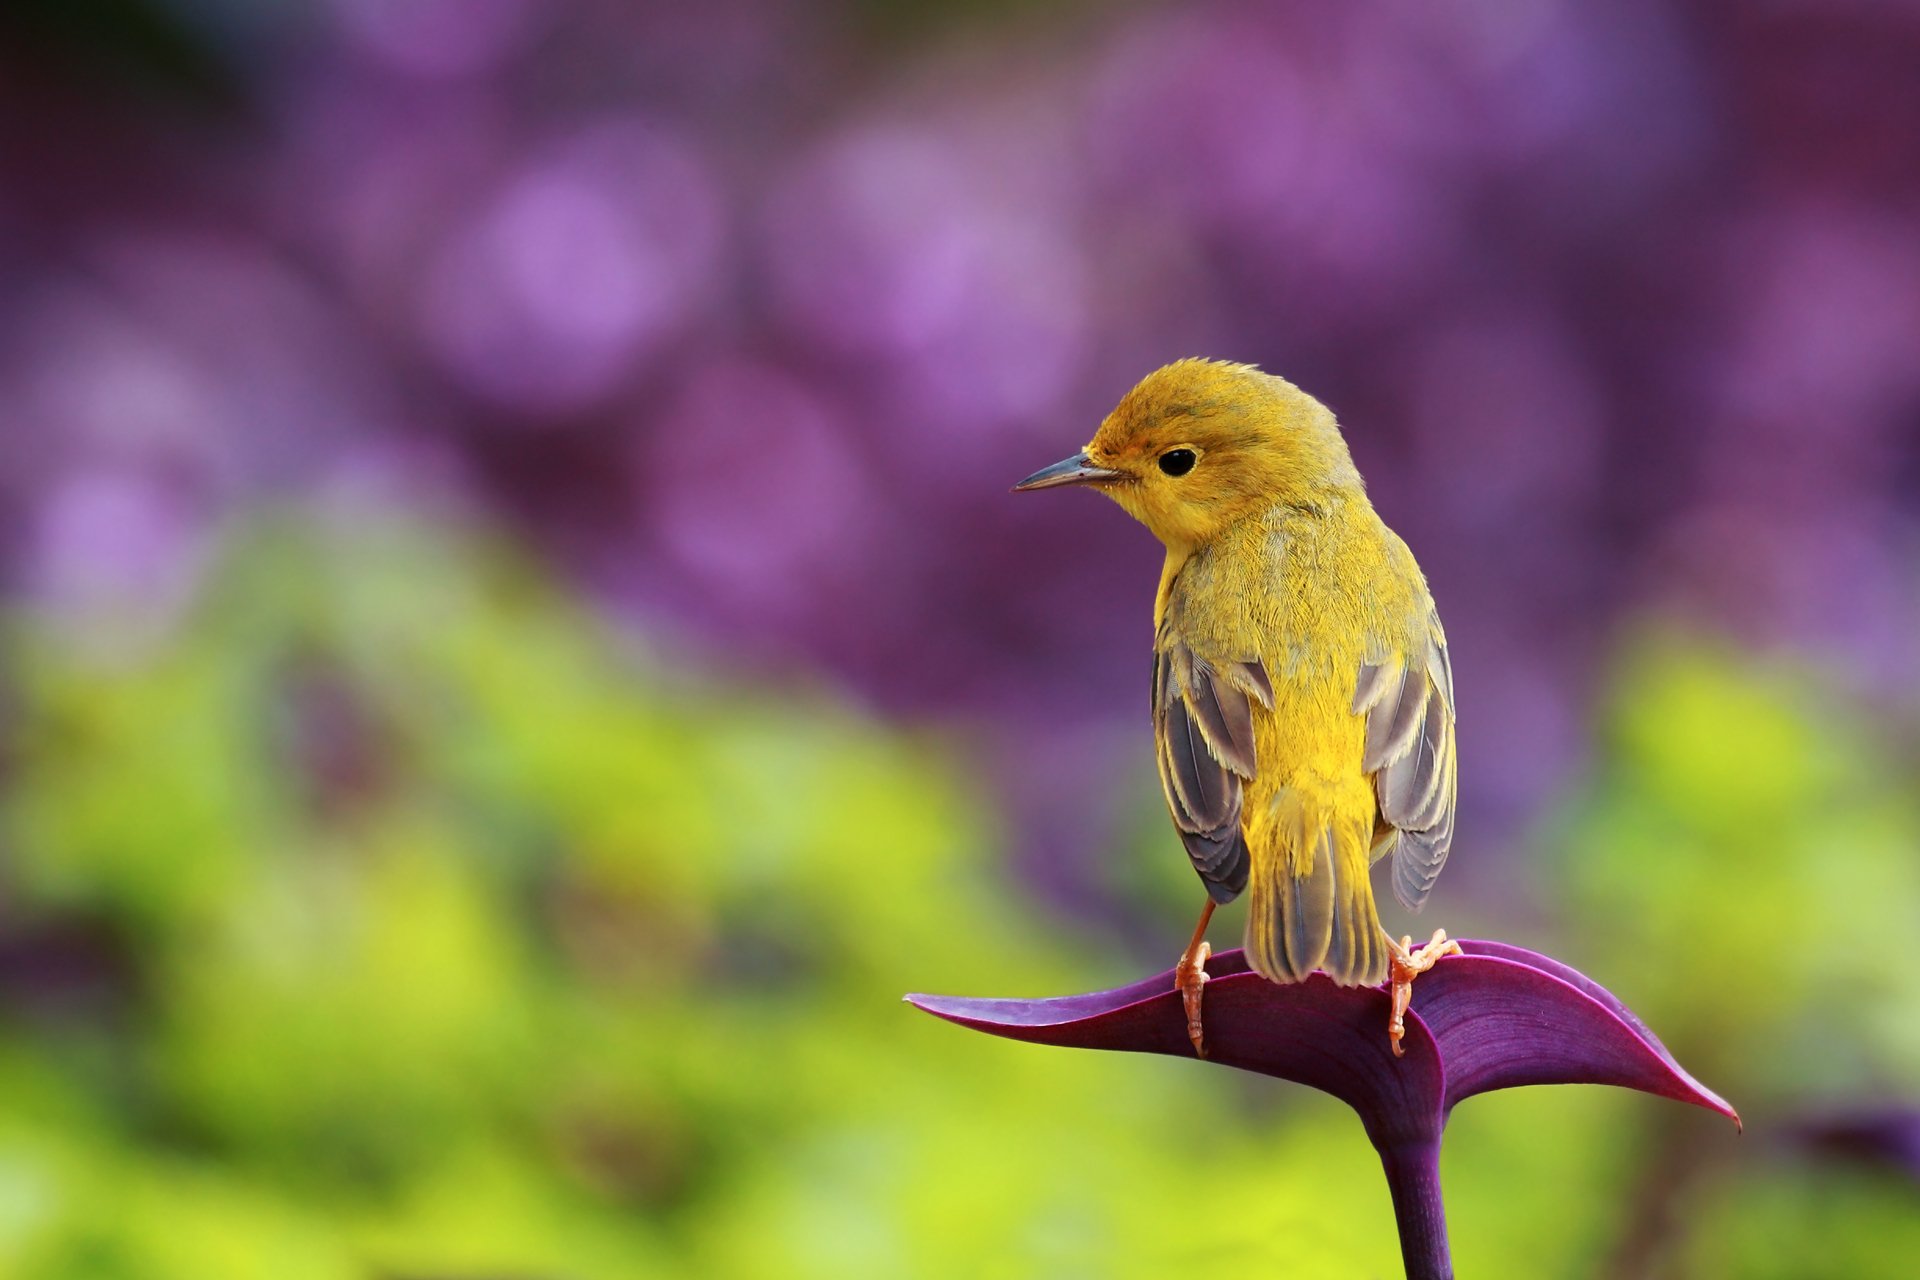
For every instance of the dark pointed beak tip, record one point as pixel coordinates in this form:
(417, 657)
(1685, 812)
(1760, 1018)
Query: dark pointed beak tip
(1075, 470)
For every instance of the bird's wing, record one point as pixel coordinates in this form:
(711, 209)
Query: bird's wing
(1203, 736)
(1409, 710)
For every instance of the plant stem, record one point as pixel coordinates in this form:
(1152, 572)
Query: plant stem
(1413, 1177)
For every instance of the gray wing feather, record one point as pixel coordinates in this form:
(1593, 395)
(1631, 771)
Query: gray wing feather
(1395, 719)
(1439, 665)
(1203, 727)
(1410, 786)
(1375, 679)
(1225, 716)
(1410, 752)
(1207, 793)
(1253, 679)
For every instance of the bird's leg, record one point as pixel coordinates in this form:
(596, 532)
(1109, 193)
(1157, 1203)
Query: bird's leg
(1408, 964)
(1190, 975)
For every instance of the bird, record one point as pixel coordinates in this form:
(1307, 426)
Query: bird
(1303, 702)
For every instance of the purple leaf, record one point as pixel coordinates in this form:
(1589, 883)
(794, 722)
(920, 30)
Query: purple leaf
(1494, 1018)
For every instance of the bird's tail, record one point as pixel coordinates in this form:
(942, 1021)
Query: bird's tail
(1311, 905)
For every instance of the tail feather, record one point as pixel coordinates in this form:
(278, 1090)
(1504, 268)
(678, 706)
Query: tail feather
(1306, 911)
(1312, 904)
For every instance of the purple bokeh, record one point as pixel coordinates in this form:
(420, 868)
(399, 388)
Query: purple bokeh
(746, 316)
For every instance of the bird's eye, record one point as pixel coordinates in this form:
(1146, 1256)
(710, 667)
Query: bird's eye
(1177, 462)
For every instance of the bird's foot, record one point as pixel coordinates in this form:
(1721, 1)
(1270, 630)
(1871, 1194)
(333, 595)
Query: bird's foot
(1406, 965)
(1189, 978)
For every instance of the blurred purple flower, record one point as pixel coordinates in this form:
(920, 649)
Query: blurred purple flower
(116, 557)
(182, 371)
(1495, 1018)
(1260, 148)
(1888, 1138)
(742, 448)
(439, 38)
(1618, 304)
(903, 246)
(552, 292)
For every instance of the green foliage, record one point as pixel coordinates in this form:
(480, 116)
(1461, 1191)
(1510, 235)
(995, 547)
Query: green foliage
(1801, 1223)
(1742, 865)
(467, 940)
(446, 934)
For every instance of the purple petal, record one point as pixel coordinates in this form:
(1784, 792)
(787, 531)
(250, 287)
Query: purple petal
(1314, 1033)
(1507, 1017)
(1567, 974)
(1494, 1018)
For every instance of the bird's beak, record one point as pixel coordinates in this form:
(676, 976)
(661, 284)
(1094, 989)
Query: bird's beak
(1075, 470)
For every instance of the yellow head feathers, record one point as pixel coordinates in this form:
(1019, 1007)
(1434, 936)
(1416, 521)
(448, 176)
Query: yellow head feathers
(1200, 444)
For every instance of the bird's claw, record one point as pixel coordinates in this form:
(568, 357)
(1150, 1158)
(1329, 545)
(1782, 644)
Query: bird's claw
(1406, 965)
(1189, 977)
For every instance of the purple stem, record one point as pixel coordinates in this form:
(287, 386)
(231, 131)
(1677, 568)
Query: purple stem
(1413, 1177)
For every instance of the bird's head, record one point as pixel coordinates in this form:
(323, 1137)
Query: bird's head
(1199, 445)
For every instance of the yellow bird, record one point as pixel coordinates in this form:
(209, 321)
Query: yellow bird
(1303, 707)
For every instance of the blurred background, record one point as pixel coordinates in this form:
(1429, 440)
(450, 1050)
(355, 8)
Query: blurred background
(517, 648)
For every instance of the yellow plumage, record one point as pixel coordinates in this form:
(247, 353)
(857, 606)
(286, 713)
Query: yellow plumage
(1303, 701)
